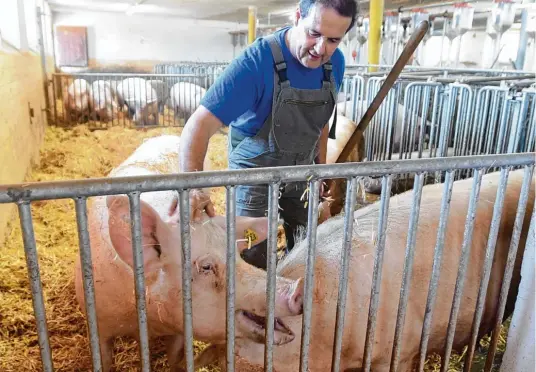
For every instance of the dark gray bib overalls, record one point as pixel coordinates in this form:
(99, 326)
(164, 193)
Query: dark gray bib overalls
(289, 136)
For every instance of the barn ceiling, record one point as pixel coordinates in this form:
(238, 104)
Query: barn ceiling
(268, 11)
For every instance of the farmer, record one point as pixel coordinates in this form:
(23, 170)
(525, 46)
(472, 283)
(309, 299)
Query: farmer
(277, 98)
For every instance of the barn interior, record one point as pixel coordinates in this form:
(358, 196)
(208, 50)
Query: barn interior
(64, 63)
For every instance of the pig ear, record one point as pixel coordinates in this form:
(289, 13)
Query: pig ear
(250, 229)
(119, 224)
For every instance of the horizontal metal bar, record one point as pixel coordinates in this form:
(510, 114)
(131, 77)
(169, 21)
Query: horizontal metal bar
(108, 74)
(448, 69)
(122, 185)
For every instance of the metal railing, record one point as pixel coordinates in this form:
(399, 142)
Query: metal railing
(103, 100)
(79, 191)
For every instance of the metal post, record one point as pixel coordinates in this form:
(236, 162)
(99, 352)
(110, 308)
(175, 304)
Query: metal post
(375, 33)
(523, 39)
(252, 23)
(41, 44)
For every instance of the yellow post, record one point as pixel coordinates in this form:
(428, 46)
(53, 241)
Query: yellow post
(375, 33)
(252, 24)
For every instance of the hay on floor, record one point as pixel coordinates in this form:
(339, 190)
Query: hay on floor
(75, 153)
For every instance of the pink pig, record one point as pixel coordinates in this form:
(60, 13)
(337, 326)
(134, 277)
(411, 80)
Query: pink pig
(109, 229)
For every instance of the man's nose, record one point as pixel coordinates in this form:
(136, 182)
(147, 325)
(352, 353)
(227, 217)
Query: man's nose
(320, 46)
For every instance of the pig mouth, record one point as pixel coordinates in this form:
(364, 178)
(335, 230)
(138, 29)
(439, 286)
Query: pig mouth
(282, 333)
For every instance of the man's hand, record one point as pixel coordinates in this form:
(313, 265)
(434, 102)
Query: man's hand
(199, 203)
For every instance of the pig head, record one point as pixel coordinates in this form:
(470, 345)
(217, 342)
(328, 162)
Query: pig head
(111, 246)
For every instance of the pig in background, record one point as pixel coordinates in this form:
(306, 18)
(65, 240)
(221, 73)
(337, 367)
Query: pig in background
(106, 106)
(109, 228)
(185, 98)
(142, 100)
(78, 101)
(327, 271)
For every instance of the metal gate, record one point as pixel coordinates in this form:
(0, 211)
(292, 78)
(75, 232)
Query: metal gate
(79, 191)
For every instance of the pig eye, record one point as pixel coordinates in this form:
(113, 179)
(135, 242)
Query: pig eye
(207, 267)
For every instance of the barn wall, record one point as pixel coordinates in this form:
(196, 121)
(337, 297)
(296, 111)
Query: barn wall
(21, 88)
(142, 40)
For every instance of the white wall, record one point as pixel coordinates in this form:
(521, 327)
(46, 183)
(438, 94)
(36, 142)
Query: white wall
(116, 37)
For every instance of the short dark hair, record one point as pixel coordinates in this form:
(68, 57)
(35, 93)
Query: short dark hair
(346, 8)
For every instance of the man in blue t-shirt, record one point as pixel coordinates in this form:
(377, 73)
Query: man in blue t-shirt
(277, 98)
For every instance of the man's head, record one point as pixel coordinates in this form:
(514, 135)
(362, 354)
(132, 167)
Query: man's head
(319, 28)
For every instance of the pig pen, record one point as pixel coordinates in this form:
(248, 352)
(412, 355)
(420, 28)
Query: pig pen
(79, 153)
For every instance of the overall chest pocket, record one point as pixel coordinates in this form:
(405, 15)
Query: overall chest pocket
(299, 123)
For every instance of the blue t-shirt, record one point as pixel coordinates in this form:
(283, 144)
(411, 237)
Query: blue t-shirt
(242, 95)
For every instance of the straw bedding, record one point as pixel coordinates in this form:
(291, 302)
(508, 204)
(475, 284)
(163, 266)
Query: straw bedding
(74, 153)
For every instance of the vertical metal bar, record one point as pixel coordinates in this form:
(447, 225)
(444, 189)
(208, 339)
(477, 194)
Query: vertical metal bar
(523, 39)
(273, 199)
(464, 260)
(408, 268)
(32, 264)
(231, 275)
(508, 271)
(314, 190)
(436, 267)
(42, 53)
(87, 280)
(54, 93)
(139, 279)
(490, 252)
(351, 192)
(184, 197)
(377, 274)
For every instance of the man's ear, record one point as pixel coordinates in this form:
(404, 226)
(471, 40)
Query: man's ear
(297, 15)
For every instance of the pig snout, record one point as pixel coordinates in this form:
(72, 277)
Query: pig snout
(288, 302)
(289, 298)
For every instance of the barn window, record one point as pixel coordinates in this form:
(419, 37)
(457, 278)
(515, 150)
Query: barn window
(72, 46)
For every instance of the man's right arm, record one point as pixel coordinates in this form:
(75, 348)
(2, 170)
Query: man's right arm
(194, 139)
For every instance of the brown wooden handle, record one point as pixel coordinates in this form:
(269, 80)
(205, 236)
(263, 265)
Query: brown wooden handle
(409, 49)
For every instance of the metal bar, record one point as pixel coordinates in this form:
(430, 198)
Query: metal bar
(377, 274)
(408, 268)
(523, 39)
(121, 185)
(184, 198)
(89, 74)
(42, 52)
(32, 264)
(139, 280)
(508, 271)
(231, 275)
(447, 69)
(490, 253)
(88, 282)
(351, 192)
(273, 208)
(436, 267)
(314, 191)
(464, 260)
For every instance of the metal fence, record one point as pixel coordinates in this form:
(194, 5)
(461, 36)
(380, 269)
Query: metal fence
(79, 191)
(103, 100)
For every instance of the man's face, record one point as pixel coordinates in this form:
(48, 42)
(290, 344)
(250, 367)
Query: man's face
(318, 35)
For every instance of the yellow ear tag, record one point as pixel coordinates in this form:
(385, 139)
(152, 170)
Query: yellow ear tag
(251, 236)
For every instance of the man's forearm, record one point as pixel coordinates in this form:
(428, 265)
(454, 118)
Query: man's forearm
(193, 149)
(195, 138)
